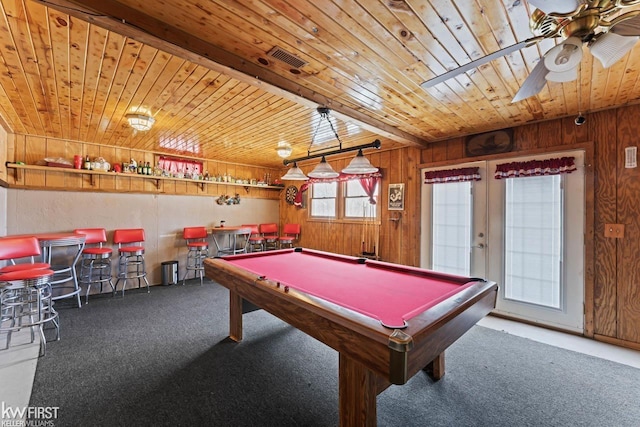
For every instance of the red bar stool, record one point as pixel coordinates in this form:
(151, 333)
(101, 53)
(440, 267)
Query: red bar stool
(198, 250)
(256, 241)
(270, 234)
(290, 233)
(131, 261)
(95, 260)
(25, 302)
(17, 248)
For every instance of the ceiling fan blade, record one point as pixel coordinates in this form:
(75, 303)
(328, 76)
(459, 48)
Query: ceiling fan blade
(627, 27)
(534, 83)
(478, 62)
(557, 6)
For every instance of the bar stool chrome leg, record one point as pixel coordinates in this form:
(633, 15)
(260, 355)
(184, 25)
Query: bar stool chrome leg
(26, 302)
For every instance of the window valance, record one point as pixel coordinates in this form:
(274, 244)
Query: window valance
(452, 175)
(535, 168)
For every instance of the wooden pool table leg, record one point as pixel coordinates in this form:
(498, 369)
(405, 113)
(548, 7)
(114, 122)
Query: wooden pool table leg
(235, 316)
(358, 388)
(435, 368)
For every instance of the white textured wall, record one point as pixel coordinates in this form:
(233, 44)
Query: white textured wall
(162, 216)
(3, 211)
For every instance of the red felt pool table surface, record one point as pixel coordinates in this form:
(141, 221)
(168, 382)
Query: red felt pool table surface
(383, 291)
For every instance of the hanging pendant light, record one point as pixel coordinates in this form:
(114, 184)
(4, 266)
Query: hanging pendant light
(295, 174)
(359, 165)
(323, 170)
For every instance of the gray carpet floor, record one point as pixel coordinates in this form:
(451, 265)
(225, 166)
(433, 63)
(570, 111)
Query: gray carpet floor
(164, 359)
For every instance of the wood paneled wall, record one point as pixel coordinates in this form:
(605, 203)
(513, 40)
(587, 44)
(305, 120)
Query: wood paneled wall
(32, 149)
(612, 266)
(399, 241)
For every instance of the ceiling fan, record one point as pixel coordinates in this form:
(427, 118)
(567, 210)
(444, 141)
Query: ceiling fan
(604, 26)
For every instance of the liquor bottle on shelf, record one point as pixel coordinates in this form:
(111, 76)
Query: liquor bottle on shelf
(87, 163)
(139, 171)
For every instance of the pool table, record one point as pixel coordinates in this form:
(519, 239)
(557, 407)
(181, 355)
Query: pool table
(387, 321)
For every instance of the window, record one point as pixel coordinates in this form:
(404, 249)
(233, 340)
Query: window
(451, 227)
(356, 201)
(323, 199)
(343, 199)
(533, 240)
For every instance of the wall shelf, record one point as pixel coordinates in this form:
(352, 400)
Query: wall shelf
(18, 167)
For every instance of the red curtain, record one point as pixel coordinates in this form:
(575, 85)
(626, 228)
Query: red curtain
(369, 186)
(368, 182)
(452, 175)
(535, 168)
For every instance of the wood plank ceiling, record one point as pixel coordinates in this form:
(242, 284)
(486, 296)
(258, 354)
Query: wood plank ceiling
(73, 69)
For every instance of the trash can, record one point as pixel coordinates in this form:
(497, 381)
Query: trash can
(170, 273)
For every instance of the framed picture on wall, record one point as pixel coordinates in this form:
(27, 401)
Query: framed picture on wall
(396, 197)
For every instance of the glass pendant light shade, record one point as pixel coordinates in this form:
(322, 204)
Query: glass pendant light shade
(359, 165)
(295, 174)
(323, 170)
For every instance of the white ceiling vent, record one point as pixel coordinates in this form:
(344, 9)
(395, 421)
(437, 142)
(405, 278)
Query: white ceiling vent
(286, 57)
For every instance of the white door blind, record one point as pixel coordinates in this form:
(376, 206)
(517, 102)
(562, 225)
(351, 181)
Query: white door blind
(451, 228)
(533, 240)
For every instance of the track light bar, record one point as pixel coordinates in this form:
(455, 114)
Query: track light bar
(374, 144)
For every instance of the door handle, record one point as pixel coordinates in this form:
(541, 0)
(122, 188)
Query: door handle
(479, 246)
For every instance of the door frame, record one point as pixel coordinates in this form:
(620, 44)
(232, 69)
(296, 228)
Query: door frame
(589, 210)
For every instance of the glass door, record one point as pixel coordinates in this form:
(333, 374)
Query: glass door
(454, 225)
(536, 248)
(526, 234)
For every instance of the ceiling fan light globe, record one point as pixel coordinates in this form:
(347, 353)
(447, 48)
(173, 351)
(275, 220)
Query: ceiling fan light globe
(566, 76)
(565, 56)
(609, 48)
(550, 6)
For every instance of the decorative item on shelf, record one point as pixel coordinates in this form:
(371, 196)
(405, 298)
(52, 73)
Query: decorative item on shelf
(100, 164)
(359, 165)
(77, 161)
